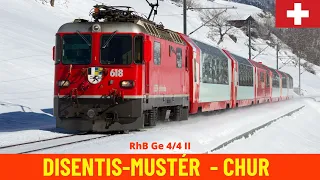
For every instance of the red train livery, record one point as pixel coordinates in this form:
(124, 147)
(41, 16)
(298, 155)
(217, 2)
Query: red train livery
(126, 72)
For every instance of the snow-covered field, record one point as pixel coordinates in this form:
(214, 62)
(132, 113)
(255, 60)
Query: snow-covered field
(298, 133)
(206, 132)
(27, 30)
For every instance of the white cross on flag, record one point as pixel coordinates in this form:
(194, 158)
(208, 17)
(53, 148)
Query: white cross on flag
(297, 13)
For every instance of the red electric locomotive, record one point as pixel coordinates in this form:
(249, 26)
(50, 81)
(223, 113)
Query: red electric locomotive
(120, 74)
(124, 72)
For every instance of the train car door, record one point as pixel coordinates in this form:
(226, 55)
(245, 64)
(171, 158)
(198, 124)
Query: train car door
(236, 82)
(148, 57)
(186, 74)
(155, 69)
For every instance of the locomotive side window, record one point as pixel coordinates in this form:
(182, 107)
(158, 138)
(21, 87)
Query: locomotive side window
(76, 49)
(179, 57)
(58, 49)
(138, 41)
(157, 53)
(116, 50)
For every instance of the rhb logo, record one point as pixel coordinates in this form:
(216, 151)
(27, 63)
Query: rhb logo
(297, 13)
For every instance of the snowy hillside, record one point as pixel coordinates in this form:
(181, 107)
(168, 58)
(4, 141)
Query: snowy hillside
(27, 32)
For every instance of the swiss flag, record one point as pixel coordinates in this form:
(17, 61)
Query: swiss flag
(297, 13)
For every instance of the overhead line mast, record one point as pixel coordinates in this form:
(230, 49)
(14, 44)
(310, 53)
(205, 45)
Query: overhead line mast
(185, 8)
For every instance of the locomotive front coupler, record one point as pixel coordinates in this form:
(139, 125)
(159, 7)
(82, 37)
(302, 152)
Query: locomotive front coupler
(111, 118)
(115, 98)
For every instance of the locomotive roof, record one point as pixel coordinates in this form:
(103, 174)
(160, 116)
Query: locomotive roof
(105, 27)
(122, 19)
(138, 26)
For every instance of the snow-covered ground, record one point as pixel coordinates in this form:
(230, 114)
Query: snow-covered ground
(27, 30)
(298, 133)
(211, 131)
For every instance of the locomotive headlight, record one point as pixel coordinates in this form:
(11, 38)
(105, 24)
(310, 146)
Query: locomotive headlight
(96, 28)
(63, 83)
(127, 84)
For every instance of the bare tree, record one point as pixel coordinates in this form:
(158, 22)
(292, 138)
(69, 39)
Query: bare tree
(218, 23)
(190, 3)
(308, 67)
(47, 1)
(269, 24)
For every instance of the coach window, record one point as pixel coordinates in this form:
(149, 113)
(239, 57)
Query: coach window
(268, 84)
(157, 53)
(275, 81)
(194, 67)
(58, 49)
(284, 82)
(261, 76)
(179, 57)
(138, 41)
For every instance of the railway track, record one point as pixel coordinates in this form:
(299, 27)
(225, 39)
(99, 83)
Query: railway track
(35, 146)
(254, 130)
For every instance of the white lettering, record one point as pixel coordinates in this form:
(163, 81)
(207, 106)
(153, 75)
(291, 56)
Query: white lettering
(116, 72)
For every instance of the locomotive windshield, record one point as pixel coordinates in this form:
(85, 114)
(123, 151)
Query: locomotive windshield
(118, 51)
(76, 49)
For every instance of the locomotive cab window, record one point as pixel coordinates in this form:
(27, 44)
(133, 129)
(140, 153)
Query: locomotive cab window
(76, 49)
(138, 41)
(157, 53)
(116, 50)
(179, 58)
(58, 49)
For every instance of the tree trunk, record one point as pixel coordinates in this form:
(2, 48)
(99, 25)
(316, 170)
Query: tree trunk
(52, 3)
(221, 35)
